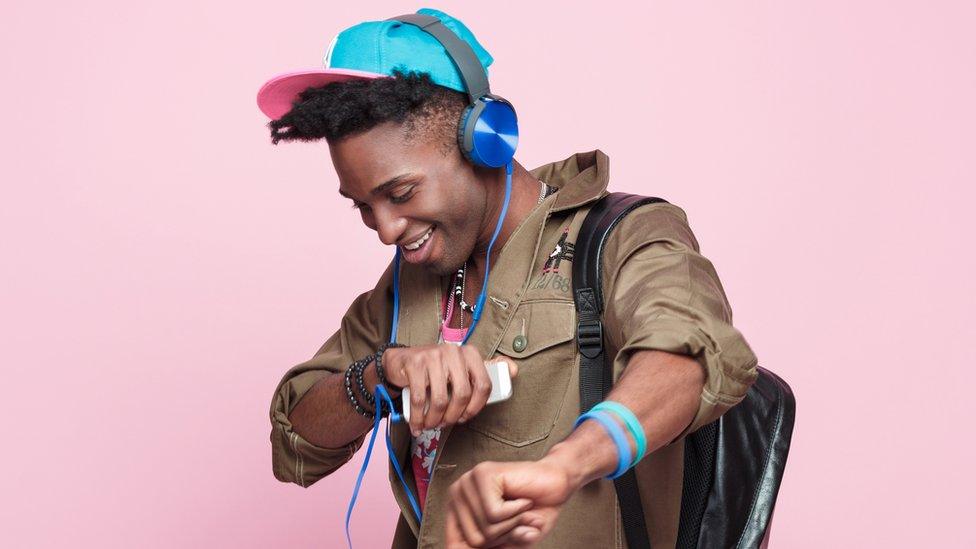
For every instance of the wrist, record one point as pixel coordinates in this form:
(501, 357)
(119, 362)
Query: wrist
(371, 376)
(566, 460)
(586, 455)
(382, 373)
(354, 382)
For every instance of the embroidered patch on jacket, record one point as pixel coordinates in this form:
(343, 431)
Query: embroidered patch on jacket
(563, 252)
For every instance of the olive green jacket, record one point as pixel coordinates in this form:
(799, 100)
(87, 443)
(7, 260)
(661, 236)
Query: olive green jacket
(661, 293)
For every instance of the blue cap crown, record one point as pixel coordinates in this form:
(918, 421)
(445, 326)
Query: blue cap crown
(382, 46)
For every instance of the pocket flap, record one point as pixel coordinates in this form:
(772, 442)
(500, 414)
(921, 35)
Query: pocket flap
(538, 325)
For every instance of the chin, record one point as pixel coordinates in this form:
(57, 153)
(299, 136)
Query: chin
(444, 265)
(440, 268)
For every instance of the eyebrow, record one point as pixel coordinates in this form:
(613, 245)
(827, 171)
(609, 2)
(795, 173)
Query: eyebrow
(383, 187)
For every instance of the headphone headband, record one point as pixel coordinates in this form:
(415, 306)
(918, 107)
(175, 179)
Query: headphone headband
(460, 52)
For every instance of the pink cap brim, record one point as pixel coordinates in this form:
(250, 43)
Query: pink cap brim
(276, 96)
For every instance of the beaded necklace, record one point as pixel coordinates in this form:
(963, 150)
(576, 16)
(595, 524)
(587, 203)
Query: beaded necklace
(456, 291)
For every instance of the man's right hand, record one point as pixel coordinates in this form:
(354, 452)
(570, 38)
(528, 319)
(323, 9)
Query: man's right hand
(452, 379)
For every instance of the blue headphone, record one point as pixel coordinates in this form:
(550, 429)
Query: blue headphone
(488, 132)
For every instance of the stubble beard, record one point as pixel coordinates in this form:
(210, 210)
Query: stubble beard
(455, 256)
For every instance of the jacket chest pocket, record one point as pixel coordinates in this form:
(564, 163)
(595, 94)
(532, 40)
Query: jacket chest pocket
(540, 339)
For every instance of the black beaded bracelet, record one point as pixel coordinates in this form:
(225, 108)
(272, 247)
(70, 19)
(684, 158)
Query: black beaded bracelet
(360, 366)
(352, 396)
(379, 362)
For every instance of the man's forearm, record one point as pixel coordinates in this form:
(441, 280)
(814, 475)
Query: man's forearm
(662, 389)
(325, 417)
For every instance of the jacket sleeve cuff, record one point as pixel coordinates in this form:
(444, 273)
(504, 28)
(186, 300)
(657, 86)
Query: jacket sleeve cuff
(294, 459)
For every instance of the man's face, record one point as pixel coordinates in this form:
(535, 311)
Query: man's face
(415, 196)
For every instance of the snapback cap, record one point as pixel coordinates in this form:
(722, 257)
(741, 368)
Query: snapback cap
(373, 49)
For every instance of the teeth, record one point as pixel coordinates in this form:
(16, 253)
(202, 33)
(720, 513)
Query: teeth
(420, 241)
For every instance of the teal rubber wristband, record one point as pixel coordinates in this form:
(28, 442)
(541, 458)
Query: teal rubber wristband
(633, 425)
(616, 434)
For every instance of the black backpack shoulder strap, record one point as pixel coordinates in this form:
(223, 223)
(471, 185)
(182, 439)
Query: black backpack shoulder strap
(596, 369)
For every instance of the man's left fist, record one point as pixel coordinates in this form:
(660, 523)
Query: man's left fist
(507, 504)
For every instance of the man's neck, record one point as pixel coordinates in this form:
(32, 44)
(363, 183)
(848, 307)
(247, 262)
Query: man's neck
(525, 196)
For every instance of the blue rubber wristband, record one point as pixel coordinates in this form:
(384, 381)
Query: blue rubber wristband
(616, 433)
(633, 425)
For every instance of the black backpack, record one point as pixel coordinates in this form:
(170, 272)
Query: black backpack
(733, 466)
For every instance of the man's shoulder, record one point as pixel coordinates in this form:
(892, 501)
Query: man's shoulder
(654, 220)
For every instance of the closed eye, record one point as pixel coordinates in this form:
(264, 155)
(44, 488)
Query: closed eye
(396, 199)
(402, 196)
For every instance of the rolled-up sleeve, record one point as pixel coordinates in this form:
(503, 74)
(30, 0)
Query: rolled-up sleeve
(362, 328)
(660, 293)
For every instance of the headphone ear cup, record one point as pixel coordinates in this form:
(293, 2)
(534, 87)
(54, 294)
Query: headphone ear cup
(488, 133)
(462, 131)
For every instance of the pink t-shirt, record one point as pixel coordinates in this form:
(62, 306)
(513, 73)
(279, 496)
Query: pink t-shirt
(423, 449)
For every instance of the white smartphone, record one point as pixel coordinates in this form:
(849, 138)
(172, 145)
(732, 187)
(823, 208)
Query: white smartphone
(501, 386)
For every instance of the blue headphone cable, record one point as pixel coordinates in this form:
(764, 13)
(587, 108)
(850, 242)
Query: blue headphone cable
(383, 397)
(480, 304)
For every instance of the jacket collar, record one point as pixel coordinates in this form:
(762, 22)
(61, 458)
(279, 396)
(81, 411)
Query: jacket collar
(581, 178)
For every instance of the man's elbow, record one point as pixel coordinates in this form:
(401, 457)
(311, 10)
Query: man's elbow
(297, 461)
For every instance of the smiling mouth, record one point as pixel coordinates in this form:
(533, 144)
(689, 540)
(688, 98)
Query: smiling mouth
(416, 244)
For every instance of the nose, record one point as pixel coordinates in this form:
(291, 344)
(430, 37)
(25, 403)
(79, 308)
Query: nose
(389, 227)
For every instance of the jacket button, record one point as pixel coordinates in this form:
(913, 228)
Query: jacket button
(519, 343)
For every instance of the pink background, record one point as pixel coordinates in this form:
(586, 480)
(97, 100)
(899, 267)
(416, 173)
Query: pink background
(163, 264)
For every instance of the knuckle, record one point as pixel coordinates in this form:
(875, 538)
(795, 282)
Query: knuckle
(476, 538)
(494, 514)
(481, 471)
(478, 370)
(462, 393)
(482, 387)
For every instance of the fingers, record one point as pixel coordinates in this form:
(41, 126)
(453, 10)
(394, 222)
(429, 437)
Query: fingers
(541, 519)
(512, 366)
(485, 521)
(467, 523)
(393, 367)
(480, 383)
(417, 381)
(467, 494)
(494, 522)
(521, 536)
(460, 390)
(448, 384)
(437, 380)
(485, 489)
(453, 537)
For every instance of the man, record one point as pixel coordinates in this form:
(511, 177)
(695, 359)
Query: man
(513, 473)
